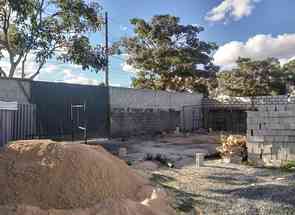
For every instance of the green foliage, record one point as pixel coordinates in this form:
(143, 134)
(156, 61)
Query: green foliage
(162, 159)
(289, 75)
(47, 29)
(129, 163)
(289, 166)
(169, 56)
(82, 53)
(255, 78)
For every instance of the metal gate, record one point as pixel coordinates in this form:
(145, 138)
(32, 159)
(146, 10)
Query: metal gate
(192, 118)
(53, 102)
(79, 121)
(231, 116)
(218, 117)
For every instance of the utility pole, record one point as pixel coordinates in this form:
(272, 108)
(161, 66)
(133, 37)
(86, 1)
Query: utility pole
(108, 117)
(106, 49)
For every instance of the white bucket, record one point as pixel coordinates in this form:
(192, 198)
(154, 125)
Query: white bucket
(122, 152)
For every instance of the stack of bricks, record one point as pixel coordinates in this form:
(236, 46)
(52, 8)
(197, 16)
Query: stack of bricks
(271, 134)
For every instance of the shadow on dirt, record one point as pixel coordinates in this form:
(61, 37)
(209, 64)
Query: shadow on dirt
(183, 201)
(283, 194)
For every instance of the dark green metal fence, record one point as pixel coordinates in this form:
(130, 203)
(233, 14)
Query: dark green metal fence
(53, 104)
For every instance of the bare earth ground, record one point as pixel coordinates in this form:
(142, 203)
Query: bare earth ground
(217, 188)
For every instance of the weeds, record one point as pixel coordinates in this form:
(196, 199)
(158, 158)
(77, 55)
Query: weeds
(289, 166)
(162, 159)
(183, 201)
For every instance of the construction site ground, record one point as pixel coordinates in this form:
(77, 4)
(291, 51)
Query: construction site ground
(217, 187)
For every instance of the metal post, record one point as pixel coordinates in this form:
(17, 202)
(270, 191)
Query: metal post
(106, 50)
(72, 119)
(183, 120)
(85, 123)
(108, 124)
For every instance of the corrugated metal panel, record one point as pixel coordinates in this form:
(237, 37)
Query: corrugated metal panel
(5, 127)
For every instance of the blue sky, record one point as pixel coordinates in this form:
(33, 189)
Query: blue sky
(248, 28)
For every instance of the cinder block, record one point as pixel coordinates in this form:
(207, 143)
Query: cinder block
(269, 139)
(256, 139)
(292, 139)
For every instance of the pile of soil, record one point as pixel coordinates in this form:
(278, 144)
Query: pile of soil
(107, 207)
(43, 176)
(147, 165)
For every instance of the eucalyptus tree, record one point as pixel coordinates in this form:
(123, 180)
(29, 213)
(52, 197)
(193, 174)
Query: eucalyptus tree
(47, 29)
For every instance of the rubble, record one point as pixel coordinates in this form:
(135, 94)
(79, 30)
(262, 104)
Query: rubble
(234, 148)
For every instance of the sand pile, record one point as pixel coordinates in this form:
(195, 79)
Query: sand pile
(108, 207)
(48, 176)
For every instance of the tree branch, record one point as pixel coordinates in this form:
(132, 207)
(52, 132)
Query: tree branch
(38, 70)
(23, 64)
(6, 41)
(2, 73)
(3, 44)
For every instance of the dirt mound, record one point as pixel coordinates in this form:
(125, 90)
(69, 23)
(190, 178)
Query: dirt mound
(50, 175)
(108, 207)
(146, 165)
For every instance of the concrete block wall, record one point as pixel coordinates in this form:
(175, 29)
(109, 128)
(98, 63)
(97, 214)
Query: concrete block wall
(271, 134)
(150, 99)
(135, 111)
(10, 90)
(131, 122)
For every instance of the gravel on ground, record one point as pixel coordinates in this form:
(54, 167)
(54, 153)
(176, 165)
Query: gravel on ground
(219, 188)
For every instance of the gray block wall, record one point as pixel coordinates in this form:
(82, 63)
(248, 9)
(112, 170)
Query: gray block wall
(10, 90)
(137, 111)
(130, 122)
(150, 99)
(271, 133)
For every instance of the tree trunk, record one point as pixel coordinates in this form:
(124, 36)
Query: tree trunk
(23, 65)
(2, 73)
(12, 70)
(38, 70)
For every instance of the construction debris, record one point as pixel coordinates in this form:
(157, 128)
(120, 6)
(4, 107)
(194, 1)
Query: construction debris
(42, 176)
(234, 148)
